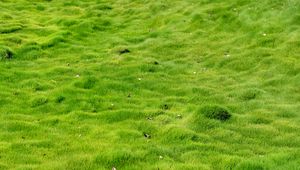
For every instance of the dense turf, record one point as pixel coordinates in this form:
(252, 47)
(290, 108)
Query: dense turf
(148, 84)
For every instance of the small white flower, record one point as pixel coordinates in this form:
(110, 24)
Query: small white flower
(264, 34)
(139, 79)
(161, 157)
(77, 75)
(178, 116)
(194, 72)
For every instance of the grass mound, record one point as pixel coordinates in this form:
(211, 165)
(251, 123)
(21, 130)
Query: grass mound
(215, 112)
(5, 53)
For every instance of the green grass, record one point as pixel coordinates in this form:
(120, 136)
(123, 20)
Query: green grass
(84, 81)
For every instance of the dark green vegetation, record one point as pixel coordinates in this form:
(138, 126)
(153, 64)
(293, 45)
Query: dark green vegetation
(92, 84)
(215, 112)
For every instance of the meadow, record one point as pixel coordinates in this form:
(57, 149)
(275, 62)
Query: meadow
(150, 84)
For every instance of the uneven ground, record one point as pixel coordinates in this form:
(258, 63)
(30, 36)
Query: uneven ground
(70, 99)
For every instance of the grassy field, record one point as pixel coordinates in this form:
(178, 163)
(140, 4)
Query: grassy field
(150, 84)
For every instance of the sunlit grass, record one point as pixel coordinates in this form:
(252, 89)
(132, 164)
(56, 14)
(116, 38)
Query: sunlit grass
(195, 84)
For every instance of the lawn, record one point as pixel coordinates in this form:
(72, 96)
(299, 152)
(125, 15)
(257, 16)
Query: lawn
(150, 84)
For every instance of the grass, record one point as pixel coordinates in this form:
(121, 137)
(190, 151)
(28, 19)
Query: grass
(214, 112)
(96, 84)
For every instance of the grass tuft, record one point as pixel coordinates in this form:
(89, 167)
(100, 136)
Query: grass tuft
(215, 112)
(39, 101)
(5, 53)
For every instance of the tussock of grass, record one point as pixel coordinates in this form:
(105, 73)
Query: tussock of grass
(5, 53)
(39, 101)
(215, 112)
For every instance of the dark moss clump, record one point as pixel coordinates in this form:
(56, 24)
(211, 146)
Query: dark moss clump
(124, 51)
(5, 53)
(165, 107)
(59, 99)
(215, 112)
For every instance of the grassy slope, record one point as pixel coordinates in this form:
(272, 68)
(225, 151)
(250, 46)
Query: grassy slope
(240, 54)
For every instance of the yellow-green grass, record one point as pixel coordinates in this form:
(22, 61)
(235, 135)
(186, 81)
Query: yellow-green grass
(70, 99)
